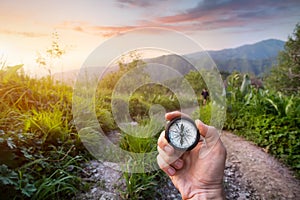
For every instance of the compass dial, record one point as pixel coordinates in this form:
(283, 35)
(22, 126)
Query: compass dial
(182, 133)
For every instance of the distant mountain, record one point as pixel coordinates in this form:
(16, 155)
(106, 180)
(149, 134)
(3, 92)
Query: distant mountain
(255, 58)
(260, 50)
(71, 76)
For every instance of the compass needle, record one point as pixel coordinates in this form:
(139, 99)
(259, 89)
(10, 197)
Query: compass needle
(182, 133)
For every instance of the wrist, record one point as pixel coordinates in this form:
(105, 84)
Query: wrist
(216, 194)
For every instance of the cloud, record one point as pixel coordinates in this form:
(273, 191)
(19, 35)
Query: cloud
(104, 31)
(110, 31)
(22, 33)
(214, 14)
(134, 3)
(206, 15)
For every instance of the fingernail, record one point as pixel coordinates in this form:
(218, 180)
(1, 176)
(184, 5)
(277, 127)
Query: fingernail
(178, 164)
(171, 171)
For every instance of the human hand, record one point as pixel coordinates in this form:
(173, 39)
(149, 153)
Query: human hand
(197, 174)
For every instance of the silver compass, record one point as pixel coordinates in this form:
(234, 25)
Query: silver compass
(182, 133)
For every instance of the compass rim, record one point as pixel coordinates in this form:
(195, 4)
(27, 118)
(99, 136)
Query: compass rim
(167, 133)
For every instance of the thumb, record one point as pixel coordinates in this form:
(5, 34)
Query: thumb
(203, 128)
(210, 133)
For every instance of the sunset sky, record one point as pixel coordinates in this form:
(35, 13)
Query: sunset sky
(82, 25)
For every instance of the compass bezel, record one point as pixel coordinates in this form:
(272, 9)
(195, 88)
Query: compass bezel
(167, 133)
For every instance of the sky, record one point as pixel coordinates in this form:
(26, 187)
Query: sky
(27, 26)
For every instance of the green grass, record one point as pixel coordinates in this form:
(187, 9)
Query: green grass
(41, 152)
(141, 182)
(39, 144)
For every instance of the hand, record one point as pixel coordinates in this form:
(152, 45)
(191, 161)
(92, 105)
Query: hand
(197, 174)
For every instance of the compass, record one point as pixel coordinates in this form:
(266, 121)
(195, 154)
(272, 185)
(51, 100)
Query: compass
(182, 133)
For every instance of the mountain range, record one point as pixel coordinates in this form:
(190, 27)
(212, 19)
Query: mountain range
(257, 59)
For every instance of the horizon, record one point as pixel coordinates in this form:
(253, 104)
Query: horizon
(82, 26)
(59, 75)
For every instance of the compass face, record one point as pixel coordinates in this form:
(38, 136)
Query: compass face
(182, 133)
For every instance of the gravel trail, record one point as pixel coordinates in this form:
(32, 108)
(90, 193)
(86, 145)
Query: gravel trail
(250, 173)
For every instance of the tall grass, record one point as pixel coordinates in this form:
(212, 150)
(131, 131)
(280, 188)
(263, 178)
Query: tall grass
(49, 126)
(40, 149)
(62, 181)
(141, 139)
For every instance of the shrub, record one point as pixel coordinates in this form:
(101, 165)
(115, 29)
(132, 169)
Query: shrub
(270, 119)
(169, 102)
(203, 113)
(138, 107)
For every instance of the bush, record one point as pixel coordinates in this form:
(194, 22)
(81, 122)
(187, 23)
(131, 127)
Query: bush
(203, 113)
(138, 107)
(270, 119)
(170, 103)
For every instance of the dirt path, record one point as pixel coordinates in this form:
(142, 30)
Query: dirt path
(265, 175)
(250, 173)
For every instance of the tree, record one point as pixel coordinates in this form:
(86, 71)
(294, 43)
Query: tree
(131, 69)
(285, 77)
(196, 81)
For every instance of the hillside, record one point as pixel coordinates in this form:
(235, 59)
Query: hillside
(261, 50)
(255, 58)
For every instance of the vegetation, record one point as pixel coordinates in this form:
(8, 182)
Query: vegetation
(285, 77)
(138, 140)
(40, 149)
(270, 116)
(41, 152)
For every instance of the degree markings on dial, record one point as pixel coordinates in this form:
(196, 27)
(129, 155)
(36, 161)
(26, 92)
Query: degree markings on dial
(182, 134)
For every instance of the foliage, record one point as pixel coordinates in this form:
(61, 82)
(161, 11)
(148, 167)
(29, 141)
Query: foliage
(49, 126)
(138, 107)
(105, 119)
(271, 117)
(196, 81)
(40, 149)
(268, 118)
(41, 153)
(285, 77)
(62, 180)
(140, 185)
(15, 181)
(203, 113)
(140, 139)
(124, 70)
(170, 102)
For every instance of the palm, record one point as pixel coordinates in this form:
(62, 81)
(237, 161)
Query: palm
(200, 172)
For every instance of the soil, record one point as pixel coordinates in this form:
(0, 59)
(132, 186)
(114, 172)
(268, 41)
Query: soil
(250, 173)
(265, 176)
